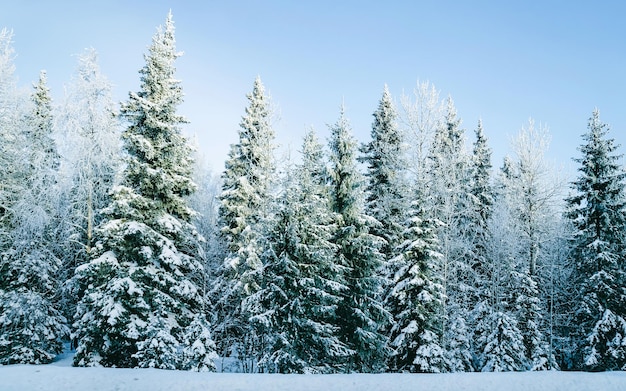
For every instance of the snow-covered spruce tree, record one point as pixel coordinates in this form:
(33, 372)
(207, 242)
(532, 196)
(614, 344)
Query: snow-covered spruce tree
(92, 155)
(31, 326)
(199, 350)
(301, 284)
(386, 186)
(530, 317)
(360, 313)
(597, 211)
(481, 200)
(501, 344)
(415, 300)
(137, 304)
(243, 211)
(449, 185)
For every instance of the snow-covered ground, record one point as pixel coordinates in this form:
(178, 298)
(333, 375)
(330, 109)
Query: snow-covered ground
(60, 375)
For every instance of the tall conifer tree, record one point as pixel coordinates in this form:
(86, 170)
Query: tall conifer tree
(360, 313)
(302, 284)
(415, 300)
(138, 306)
(597, 211)
(482, 199)
(243, 215)
(386, 165)
(31, 326)
(449, 185)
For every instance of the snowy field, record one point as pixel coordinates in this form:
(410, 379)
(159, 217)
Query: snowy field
(60, 375)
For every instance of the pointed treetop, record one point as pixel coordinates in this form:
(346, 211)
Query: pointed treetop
(311, 147)
(41, 86)
(481, 139)
(386, 93)
(43, 105)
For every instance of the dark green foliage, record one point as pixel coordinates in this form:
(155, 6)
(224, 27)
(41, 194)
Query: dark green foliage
(302, 285)
(386, 167)
(242, 217)
(597, 212)
(415, 300)
(360, 313)
(136, 295)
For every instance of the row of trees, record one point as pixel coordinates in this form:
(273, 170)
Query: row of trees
(406, 253)
(424, 262)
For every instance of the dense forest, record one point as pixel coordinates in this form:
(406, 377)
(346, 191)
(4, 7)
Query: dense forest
(409, 252)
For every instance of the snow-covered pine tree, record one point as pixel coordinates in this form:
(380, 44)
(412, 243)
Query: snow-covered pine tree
(449, 185)
(386, 186)
(482, 199)
(199, 351)
(360, 312)
(301, 282)
(529, 316)
(137, 304)
(328, 285)
(415, 300)
(597, 211)
(243, 213)
(459, 344)
(501, 345)
(31, 326)
(92, 159)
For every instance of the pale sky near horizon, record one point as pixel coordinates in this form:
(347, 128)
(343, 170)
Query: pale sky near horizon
(503, 62)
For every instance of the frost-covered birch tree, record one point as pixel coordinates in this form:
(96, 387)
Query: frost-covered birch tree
(522, 232)
(11, 103)
(90, 129)
(533, 197)
(420, 116)
(205, 201)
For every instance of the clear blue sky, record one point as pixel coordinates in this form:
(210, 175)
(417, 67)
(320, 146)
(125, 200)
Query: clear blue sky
(502, 61)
